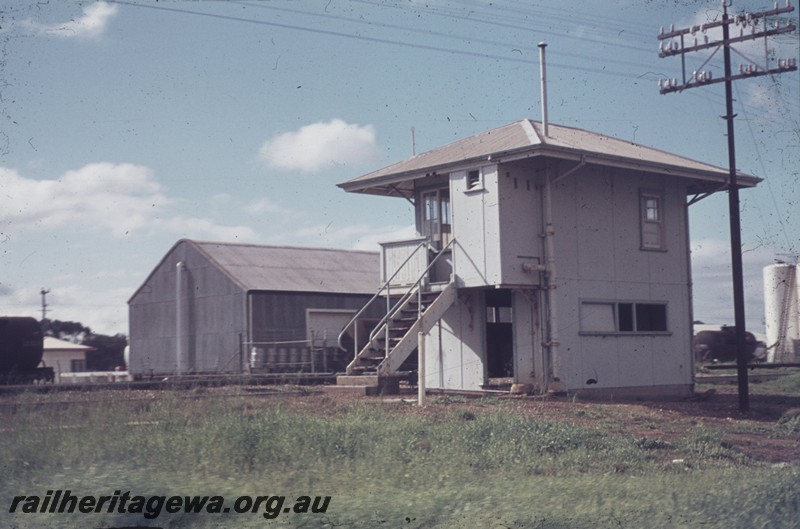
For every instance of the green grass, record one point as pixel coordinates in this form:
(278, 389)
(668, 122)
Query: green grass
(386, 466)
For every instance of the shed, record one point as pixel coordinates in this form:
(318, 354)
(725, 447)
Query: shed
(214, 307)
(64, 356)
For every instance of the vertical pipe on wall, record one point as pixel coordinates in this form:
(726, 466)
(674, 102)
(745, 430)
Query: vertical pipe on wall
(179, 317)
(549, 233)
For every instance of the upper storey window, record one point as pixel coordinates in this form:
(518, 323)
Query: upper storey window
(435, 218)
(652, 220)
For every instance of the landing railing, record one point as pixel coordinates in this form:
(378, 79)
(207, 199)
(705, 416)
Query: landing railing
(415, 287)
(422, 244)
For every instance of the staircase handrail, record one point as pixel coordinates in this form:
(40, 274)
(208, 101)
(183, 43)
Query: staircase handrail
(417, 284)
(385, 286)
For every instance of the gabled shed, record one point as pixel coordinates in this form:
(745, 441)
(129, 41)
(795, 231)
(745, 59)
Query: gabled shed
(206, 305)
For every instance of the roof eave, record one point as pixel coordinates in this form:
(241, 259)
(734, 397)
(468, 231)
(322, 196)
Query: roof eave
(377, 185)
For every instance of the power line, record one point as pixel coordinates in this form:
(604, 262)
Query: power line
(676, 45)
(380, 40)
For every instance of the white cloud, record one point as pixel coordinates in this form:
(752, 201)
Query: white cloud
(321, 145)
(193, 227)
(90, 25)
(120, 198)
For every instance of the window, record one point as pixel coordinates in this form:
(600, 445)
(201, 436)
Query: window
(474, 180)
(435, 216)
(652, 221)
(77, 366)
(605, 317)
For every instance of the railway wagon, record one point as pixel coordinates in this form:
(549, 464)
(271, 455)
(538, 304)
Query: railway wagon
(21, 350)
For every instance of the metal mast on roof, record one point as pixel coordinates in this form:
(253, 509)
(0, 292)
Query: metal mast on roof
(543, 69)
(675, 45)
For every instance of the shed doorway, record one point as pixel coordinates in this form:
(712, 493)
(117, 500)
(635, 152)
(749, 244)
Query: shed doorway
(499, 334)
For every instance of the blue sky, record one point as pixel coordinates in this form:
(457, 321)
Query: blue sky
(125, 126)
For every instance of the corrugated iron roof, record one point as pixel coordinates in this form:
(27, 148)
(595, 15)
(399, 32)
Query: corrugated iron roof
(526, 138)
(293, 269)
(255, 267)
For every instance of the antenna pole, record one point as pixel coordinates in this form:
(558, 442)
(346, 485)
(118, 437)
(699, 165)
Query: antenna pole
(700, 78)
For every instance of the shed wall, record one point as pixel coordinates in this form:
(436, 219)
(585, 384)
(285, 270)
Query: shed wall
(279, 316)
(212, 323)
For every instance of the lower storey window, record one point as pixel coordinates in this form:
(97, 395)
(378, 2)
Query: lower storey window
(603, 317)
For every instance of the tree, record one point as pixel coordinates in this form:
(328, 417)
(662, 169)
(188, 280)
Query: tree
(109, 351)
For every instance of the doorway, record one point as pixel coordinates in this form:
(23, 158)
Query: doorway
(499, 334)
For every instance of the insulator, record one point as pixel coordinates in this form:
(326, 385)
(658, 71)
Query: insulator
(705, 37)
(741, 69)
(672, 28)
(695, 42)
(660, 84)
(662, 31)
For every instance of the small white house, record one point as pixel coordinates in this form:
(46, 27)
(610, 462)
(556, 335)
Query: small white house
(557, 260)
(64, 357)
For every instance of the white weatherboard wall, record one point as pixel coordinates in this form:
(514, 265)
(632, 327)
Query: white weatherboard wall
(529, 365)
(497, 227)
(454, 348)
(599, 258)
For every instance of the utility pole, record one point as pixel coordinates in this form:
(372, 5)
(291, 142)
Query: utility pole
(44, 292)
(676, 45)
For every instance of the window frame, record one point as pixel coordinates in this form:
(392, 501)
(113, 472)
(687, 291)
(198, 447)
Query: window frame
(647, 224)
(632, 309)
(440, 223)
(475, 179)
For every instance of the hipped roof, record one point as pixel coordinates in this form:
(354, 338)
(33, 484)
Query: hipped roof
(255, 267)
(525, 139)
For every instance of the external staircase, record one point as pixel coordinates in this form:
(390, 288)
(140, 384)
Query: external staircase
(378, 365)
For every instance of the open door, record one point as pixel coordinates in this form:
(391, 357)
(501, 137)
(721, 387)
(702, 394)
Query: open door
(499, 334)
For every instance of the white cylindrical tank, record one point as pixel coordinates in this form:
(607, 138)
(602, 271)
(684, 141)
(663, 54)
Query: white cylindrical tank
(782, 312)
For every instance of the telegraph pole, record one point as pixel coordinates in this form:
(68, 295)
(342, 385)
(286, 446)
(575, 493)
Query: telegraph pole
(44, 292)
(676, 45)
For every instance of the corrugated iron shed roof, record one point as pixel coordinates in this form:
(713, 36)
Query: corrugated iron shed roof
(255, 267)
(526, 139)
(293, 269)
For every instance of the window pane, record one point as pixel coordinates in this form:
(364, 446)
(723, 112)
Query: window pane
(445, 198)
(430, 212)
(504, 314)
(625, 317)
(651, 317)
(597, 317)
(651, 208)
